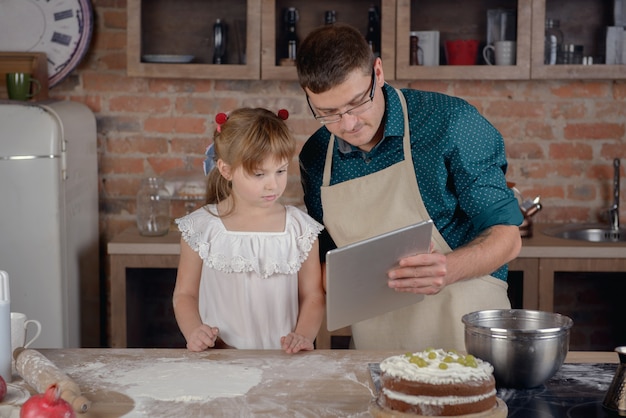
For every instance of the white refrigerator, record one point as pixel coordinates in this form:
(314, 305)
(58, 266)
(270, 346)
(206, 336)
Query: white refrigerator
(49, 217)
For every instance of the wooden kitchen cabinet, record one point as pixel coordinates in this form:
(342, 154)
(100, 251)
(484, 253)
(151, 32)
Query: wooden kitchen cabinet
(542, 256)
(550, 266)
(583, 23)
(160, 29)
(459, 20)
(311, 16)
(255, 28)
(529, 267)
(131, 250)
(29, 62)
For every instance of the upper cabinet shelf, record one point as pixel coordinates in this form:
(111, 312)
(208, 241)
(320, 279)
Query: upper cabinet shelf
(176, 38)
(312, 15)
(452, 24)
(582, 23)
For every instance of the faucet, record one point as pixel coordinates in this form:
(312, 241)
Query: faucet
(614, 210)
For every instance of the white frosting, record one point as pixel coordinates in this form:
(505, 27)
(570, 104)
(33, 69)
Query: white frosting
(436, 400)
(431, 373)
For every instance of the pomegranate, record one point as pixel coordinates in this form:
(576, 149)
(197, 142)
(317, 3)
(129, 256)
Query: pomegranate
(47, 405)
(3, 388)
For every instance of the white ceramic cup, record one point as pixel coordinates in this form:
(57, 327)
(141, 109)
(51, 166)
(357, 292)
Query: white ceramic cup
(504, 52)
(428, 47)
(19, 328)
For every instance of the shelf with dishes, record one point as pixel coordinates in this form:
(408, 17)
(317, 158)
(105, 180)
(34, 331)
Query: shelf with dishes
(462, 37)
(180, 39)
(584, 27)
(190, 39)
(33, 63)
(593, 44)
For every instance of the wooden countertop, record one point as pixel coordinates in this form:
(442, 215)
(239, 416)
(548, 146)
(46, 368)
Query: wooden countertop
(537, 246)
(173, 382)
(131, 242)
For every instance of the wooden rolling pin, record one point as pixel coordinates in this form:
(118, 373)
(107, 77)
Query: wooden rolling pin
(40, 373)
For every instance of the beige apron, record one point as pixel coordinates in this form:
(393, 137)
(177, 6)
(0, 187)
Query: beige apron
(383, 201)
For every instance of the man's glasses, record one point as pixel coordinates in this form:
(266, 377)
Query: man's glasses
(356, 110)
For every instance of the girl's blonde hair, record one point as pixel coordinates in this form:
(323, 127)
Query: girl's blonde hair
(247, 139)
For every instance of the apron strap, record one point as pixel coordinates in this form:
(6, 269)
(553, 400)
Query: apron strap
(440, 243)
(329, 161)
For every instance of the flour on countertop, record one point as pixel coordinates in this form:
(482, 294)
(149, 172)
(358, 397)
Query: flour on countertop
(213, 383)
(179, 380)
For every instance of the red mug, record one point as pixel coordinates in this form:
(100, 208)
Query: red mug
(462, 52)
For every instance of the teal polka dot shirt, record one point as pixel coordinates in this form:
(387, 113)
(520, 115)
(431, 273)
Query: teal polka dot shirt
(459, 162)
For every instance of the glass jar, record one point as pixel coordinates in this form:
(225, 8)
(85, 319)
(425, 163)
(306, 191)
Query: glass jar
(553, 41)
(153, 207)
(186, 186)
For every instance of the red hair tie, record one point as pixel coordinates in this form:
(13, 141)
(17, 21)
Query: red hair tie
(283, 114)
(220, 119)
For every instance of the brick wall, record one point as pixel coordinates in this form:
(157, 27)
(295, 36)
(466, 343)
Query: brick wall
(561, 136)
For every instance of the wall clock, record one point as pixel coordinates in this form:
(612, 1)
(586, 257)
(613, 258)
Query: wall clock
(60, 28)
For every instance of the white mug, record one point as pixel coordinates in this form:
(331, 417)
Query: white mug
(19, 328)
(504, 52)
(428, 47)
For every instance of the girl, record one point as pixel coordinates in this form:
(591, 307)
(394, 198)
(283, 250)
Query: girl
(249, 275)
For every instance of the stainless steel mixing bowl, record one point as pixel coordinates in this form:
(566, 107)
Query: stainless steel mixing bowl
(525, 347)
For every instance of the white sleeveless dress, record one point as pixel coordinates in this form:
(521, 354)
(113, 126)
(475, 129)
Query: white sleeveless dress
(249, 280)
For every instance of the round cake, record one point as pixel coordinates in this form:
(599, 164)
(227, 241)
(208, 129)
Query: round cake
(436, 382)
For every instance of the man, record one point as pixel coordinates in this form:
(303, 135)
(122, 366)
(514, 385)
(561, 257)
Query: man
(386, 158)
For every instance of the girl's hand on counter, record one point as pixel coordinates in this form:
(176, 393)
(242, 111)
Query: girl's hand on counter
(202, 338)
(293, 343)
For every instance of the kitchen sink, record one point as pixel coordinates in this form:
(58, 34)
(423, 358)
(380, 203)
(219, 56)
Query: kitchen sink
(588, 232)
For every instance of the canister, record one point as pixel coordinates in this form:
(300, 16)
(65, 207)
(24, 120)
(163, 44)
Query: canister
(153, 207)
(5, 328)
(570, 54)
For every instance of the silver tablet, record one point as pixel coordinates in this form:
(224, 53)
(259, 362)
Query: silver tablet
(356, 275)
